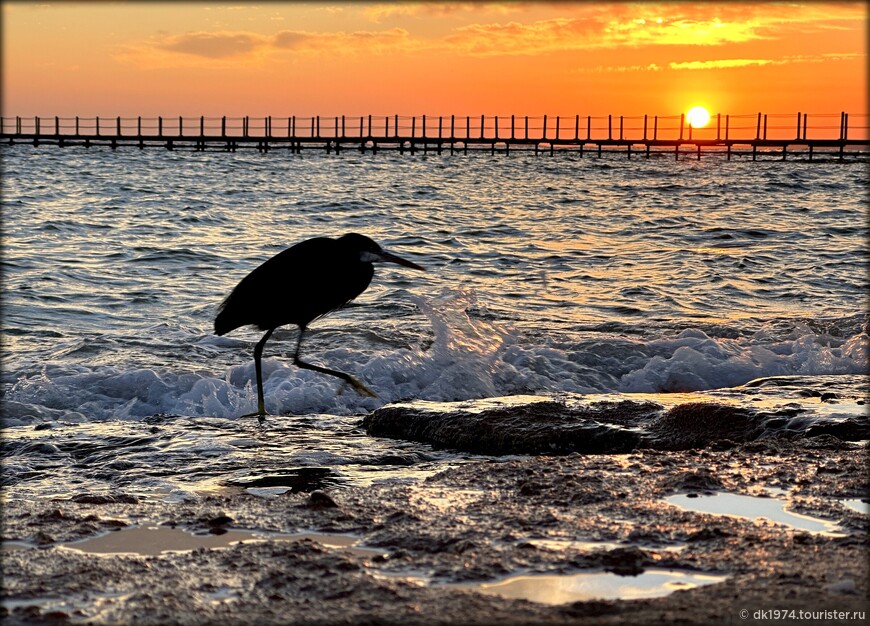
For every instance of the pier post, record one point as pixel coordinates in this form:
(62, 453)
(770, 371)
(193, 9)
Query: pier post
(56, 125)
(682, 124)
(544, 132)
(397, 125)
(609, 127)
(440, 128)
(159, 126)
(718, 127)
(452, 130)
(620, 128)
(467, 130)
(845, 126)
(496, 133)
(180, 126)
(424, 129)
(655, 128)
(557, 130)
(798, 126)
(482, 126)
(758, 128)
(588, 127)
(527, 127)
(513, 134)
(576, 128)
(202, 125)
(36, 124)
(805, 126)
(413, 127)
(77, 125)
(98, 126)
(369, 135)
(765, 126)
(644, 127)
(727, 124)
(117, 126)
(224, 126)
(386, 126)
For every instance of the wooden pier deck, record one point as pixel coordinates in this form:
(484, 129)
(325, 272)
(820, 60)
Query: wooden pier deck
(756, 136)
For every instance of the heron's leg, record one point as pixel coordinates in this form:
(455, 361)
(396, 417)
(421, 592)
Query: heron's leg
(258, 354)
(353, 382)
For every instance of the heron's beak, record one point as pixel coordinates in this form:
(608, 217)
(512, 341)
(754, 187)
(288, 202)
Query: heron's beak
(392, 258)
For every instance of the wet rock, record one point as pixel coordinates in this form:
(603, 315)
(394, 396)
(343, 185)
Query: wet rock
(542, 427)
(298, 479)
(320, 500)
(99, 498)
(219, 521)
(693, 481)
(625, 561)
(697, 424)
(849, 429)
(707, 534)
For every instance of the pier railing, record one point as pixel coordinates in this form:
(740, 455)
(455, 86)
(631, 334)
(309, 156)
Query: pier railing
(760, 131)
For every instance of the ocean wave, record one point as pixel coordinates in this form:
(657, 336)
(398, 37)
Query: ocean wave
(469, 357)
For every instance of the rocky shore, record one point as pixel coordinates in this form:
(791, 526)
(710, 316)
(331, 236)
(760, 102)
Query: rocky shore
(424, 547)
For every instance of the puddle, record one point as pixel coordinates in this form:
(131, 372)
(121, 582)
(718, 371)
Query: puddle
(857, 504)
(592, 546)
(754, 507)
(560, 589)
(156, 540)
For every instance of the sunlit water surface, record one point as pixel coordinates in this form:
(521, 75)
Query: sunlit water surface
(545, 275)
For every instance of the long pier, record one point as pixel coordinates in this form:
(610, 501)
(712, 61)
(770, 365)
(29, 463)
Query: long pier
(752, 136)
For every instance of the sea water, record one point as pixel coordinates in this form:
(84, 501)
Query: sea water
(544, 275)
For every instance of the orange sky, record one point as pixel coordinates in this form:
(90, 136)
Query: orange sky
(524, 58)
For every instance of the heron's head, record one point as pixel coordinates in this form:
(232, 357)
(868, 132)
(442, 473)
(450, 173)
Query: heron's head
(371, 252)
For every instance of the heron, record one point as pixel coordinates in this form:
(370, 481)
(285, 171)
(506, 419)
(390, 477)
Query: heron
(299, 285)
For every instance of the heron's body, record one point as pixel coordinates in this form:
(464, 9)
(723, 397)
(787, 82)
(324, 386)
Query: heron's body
(299, 285)
(295, 286)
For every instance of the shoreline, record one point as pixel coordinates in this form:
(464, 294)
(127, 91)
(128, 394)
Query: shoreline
(423, 542)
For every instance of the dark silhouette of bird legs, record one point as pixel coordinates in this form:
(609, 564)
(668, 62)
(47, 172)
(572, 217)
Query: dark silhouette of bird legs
(353, 382)
(258, 366)
(258, 355)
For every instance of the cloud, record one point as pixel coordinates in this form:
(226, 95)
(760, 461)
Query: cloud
(593, 26)
(378, 42)
(721, 64)
(735, 63)
(213, 45)
(427, 10)
(223, 49)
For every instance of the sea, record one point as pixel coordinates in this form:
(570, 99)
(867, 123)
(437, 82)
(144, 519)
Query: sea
(545, 275)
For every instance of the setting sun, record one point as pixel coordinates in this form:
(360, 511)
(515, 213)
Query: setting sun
(698, 117)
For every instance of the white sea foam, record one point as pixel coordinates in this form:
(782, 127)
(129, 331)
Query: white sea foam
(468, 358)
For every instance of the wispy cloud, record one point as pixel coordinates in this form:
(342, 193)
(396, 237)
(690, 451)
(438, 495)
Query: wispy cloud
(721, 63)
(738, 63)
(219, 45)
(428, 10)
(220, 49)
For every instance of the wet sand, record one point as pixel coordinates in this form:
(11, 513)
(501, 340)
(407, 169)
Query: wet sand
(416, 552)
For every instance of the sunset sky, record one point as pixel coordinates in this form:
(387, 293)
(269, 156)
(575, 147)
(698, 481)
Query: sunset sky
(524, 58)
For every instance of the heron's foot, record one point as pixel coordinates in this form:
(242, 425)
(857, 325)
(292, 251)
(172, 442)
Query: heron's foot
(260, 415)
(360, 388)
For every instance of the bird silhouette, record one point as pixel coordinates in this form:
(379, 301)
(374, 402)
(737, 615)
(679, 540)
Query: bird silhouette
(298, 286)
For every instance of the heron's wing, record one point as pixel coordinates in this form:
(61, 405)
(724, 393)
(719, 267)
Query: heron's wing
(295, 286)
